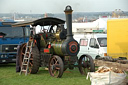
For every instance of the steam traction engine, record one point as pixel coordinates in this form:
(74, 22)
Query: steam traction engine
(53, 47)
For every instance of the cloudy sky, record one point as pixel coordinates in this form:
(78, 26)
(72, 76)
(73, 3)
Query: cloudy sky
(58, 6)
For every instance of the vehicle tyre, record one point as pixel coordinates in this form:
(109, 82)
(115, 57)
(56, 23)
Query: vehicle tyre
(97, 57)
(86, 64)
(34, 63)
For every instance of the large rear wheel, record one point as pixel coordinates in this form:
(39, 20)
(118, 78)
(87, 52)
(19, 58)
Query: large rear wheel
(34, 62)
(56, 66)
(86, 64)
(21, 53)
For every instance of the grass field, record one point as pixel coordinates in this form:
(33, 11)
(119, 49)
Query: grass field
(8, 76)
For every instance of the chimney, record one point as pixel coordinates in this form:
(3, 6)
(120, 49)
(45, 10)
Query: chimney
(68, 12)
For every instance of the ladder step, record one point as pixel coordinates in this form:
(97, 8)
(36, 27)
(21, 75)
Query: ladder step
(25, 64)
(26, 58)
(23, 70)
(28, 46)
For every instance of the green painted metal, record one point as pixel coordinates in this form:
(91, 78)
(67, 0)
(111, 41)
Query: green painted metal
(56, 45)
(42, 42)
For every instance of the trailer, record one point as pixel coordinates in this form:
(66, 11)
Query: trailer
(117, 42)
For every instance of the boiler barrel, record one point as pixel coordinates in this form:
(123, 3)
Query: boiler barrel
(65, 48)
(57, 45)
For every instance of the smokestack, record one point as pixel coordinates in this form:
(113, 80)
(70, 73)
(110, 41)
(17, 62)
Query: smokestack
(70, 47)
(68, 13)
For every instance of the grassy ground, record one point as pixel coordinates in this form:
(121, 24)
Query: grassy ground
(8, 76)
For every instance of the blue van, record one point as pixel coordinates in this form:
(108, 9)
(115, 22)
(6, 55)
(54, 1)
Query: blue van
(10, 38)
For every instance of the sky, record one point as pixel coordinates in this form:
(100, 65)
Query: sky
(58, 6)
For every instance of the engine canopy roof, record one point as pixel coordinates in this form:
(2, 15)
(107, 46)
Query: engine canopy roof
(42, 22)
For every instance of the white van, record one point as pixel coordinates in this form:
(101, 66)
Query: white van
(94, 45)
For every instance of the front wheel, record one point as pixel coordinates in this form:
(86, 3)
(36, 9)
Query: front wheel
(86, 64)
(56, 66)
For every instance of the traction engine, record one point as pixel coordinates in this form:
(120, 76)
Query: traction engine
(53, 47)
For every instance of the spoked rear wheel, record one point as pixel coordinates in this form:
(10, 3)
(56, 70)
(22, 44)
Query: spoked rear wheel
(86, 64)
(21, 53)
(34, 62)
(56, 66)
